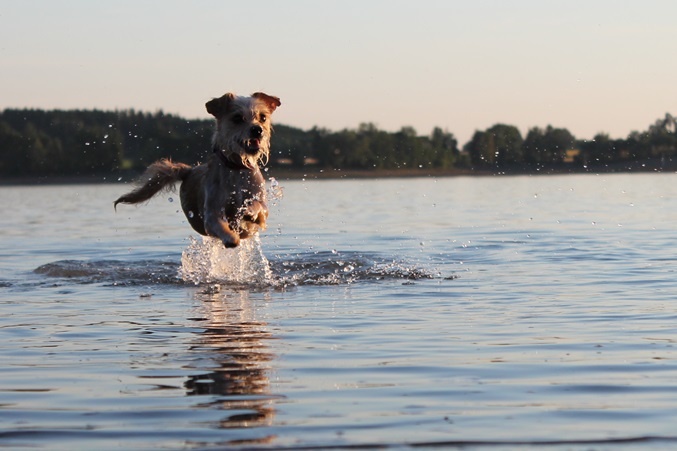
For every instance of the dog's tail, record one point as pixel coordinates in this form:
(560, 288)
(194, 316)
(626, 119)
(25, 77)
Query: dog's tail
(159, 176)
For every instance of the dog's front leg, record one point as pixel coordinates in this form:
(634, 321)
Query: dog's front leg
(252, 219)
(216, 226)
(215, 223)
(256, 212)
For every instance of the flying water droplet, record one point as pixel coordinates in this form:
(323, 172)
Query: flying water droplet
(275, 191)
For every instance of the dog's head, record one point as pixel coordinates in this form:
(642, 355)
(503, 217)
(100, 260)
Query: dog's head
(243, 126)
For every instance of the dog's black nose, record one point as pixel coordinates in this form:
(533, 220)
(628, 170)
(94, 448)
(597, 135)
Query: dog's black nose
(256, 131)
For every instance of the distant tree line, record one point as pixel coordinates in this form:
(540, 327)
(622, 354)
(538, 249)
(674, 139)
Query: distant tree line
(502, 146)
(77, 142)
(88, 142)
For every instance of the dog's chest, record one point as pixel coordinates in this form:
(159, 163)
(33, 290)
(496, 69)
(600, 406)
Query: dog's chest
(243, 188)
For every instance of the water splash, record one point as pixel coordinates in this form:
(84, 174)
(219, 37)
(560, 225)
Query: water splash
(210, 262)
(275, 191)
(334, 268)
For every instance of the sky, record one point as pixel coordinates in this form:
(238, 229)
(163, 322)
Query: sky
(589, 66)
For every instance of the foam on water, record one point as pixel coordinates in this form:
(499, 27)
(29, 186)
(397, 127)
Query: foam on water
(209, 261)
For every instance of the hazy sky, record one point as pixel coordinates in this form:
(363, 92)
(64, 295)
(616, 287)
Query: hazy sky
(589, 66)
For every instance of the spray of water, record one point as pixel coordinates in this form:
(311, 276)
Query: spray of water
(208, 261)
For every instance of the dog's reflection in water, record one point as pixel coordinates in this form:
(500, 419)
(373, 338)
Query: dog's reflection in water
(234, 354)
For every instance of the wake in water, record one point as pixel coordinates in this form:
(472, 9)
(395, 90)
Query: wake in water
(208, 262)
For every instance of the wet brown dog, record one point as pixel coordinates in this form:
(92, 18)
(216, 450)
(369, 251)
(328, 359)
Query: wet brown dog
(226, 197)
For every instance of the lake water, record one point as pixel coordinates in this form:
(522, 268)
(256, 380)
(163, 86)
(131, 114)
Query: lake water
(470, 312)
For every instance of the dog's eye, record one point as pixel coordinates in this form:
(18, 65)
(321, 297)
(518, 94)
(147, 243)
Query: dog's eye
(237, 119)
(263, 118)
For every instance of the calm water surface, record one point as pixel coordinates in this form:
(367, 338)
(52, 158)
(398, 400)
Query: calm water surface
(486, 312)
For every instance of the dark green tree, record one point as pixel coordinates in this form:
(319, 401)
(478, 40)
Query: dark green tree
(499, 146)
(547, 146)
(663, 137)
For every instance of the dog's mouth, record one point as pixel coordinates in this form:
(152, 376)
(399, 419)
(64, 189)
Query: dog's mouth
(251, 146)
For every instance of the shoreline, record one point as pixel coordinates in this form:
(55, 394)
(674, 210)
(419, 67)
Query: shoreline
(351, 174)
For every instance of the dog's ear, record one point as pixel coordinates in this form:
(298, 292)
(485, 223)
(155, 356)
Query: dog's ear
(272, 101)
(219, 107)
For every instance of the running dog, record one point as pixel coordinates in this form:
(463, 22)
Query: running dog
(226, 197)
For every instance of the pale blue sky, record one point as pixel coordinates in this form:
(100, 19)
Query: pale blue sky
(589, 66)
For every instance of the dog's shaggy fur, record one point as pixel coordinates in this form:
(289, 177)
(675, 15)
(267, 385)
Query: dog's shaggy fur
(226, 197)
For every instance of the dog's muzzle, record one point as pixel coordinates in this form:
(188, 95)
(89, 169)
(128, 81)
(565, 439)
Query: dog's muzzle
(253, 144)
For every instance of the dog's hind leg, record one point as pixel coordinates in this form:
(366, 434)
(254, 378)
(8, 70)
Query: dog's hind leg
(159, 176)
